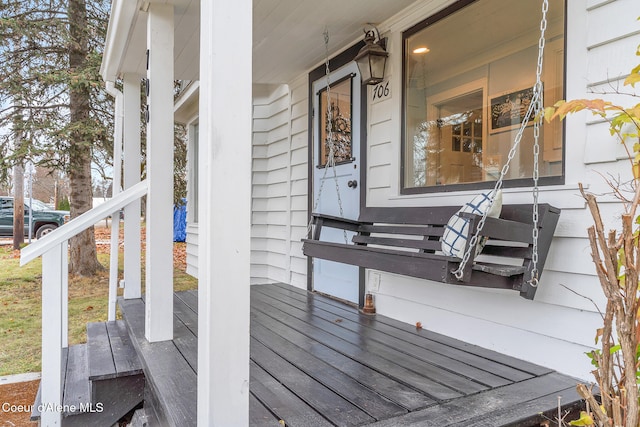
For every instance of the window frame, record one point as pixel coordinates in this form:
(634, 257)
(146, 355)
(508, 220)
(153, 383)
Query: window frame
(445, 188)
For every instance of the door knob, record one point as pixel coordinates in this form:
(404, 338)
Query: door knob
(352, 184)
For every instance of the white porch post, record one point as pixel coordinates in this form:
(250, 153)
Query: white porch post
(132, 153)
(115, 217)
(53, 312)
(159, 270)
(225, 212)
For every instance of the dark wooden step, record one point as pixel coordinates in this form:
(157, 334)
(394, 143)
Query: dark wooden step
(102, 380)
(111, 353)
(170, 380)
(77, 388)
(35, 412)
(115, 371)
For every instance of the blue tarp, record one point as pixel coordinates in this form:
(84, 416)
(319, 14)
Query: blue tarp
(180, 223)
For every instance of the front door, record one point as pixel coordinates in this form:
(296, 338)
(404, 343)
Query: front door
(336, 190)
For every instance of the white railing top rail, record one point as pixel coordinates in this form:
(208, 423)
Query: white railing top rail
(81, 223)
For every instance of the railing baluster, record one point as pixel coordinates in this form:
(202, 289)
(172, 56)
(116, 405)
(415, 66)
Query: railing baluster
(64, 266)
(113, 265)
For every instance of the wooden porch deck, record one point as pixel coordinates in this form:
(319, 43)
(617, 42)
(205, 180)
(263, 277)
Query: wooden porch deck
(318, 362)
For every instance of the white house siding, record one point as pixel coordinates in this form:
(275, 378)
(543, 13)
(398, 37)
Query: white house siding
(192, 250)
(279, 212)
(558, 326)
(192, 224)
(298, 182)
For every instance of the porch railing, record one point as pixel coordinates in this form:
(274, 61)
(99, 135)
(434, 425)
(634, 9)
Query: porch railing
(55, 314)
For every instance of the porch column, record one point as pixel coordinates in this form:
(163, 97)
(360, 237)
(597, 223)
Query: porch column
(132, 154)
(54, 313)
(159, 251)
(116, 188)
(224, 212)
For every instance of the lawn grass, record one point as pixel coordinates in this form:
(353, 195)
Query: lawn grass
(20, 307)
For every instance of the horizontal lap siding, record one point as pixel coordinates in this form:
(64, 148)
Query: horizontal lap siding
(381, 158)
(559, 325)
(279, 184)
(298, 182)
(192, 250)
(612, 40)
(270, 176)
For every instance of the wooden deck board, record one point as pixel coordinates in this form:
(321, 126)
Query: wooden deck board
(514, 369)
(467, 409)
(319, 362)
(402, 394)
(508, 361)
(185, 313)
(259, 416)
(408, 349)
(186, 343)
(190, 299)
(357, 394)
(520, 413)
(431, 388)
(283, 402)
(449, 379)
(333, 406)
(483, 359)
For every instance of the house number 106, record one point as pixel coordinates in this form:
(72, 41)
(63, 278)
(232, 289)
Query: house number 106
(381, 91)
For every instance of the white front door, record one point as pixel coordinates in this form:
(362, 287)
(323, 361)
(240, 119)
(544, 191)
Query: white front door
(336, 191)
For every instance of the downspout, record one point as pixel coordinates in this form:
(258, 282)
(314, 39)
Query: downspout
(116, 188)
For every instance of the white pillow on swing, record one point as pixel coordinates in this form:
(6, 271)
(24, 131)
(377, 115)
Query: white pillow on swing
(456, 232)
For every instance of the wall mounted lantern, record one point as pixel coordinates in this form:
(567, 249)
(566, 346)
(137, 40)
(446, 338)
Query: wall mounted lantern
(372, 58)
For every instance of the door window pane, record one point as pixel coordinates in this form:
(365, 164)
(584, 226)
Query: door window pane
(339, 117)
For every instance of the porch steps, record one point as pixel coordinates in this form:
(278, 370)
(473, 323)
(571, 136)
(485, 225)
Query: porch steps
(102, 380)
(170, 394)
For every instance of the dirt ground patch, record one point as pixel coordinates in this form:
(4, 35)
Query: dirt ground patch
(15, 403)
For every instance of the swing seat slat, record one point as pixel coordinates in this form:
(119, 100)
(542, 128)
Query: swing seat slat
(406, 241)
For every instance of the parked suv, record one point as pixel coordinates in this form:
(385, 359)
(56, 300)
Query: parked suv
(44, 219)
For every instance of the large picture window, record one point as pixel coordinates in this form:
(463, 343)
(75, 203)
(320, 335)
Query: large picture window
(468, 77)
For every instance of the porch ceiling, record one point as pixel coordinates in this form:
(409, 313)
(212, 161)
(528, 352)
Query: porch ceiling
(287, 35)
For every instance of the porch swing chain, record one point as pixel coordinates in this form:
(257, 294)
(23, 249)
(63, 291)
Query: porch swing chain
(534, 110)
(330, 142)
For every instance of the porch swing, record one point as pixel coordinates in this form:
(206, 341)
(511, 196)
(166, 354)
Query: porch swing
(504, 252)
